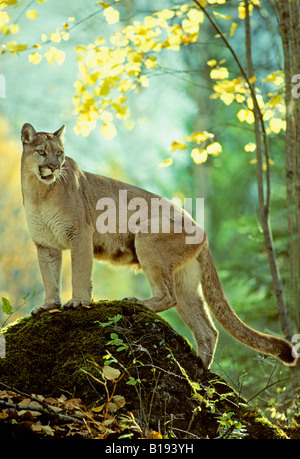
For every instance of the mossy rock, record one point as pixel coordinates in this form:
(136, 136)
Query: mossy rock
(162, 379)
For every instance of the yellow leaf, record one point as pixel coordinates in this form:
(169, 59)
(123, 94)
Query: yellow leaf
(219, 74)
(190, 26)
(250, 146)
(4, 19)
(44, 37)
(14, 28)
(268, 115)
(98, 409)
(108, 130)
(212, 62)
(276, 77)
(55, 36)
(144, 81)
(150, 62)
(195, 15)
(166, 163)
(227, 98)
(246, 115)
(214, 149)
(199, 156)
(54, 54)
(177, 146)
(221, 16)
(276, 124)
(233, 28)
(201, 136)
(106, 117)
(240, 98)
(111, 15)
(165, 14)
(31, 14)
(35, 58)
(275, 101)
(65, 36)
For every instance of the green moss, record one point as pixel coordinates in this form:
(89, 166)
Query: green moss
(163, 381)
(262, 428)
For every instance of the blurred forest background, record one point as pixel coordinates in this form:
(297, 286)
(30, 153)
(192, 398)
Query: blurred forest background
(185, 87)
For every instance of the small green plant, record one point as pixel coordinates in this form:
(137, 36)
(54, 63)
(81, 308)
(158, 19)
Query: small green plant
(8, 309)
(111, 321)
(116, 341)
(6, 306)
(229, 427)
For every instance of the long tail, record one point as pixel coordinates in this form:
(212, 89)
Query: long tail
(224, 314)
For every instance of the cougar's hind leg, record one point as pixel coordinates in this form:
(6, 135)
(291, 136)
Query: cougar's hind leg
(193, 311)
(159, 255)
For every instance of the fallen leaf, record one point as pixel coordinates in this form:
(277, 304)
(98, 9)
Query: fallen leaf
(110, 373)
(98, 409)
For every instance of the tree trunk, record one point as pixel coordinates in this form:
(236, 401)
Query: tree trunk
(289, 26)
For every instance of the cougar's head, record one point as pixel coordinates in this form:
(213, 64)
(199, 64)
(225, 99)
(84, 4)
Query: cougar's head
(43, 153)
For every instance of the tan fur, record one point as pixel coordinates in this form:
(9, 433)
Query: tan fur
(61, 208)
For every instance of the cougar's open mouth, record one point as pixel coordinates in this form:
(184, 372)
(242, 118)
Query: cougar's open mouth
(47, 177)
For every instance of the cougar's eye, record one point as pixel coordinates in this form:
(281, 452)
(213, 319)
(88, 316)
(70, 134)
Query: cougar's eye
(59, 152)
(41, 152)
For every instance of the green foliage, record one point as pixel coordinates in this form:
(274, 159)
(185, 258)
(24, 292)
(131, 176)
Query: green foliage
(6, 306)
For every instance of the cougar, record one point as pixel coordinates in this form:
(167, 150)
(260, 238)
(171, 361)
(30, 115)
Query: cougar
(68, 208)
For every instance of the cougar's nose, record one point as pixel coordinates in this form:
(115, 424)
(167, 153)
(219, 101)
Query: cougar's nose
(52, 168)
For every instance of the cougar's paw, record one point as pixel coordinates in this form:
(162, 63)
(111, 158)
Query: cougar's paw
(72, 304)
(38, 310)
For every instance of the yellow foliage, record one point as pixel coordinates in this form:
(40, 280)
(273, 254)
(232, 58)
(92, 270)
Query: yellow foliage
(276, 77)
(111, 15)
(4, 19)
(246, 115)
(276, 125)
(35, 58)
(212, 62)
(219, 73)
(107, 71)
(214, 149)
(31, 14)
(199, 156)
(166, 163)
(177, 146)
(108, 130)
(250, 147)
(233, 28)
(54, 54)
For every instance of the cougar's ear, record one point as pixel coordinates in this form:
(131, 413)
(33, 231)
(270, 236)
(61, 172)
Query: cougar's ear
(60, 133)
(27, 133)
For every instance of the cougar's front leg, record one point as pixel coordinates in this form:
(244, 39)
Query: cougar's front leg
(50, 267)
(82, 263)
